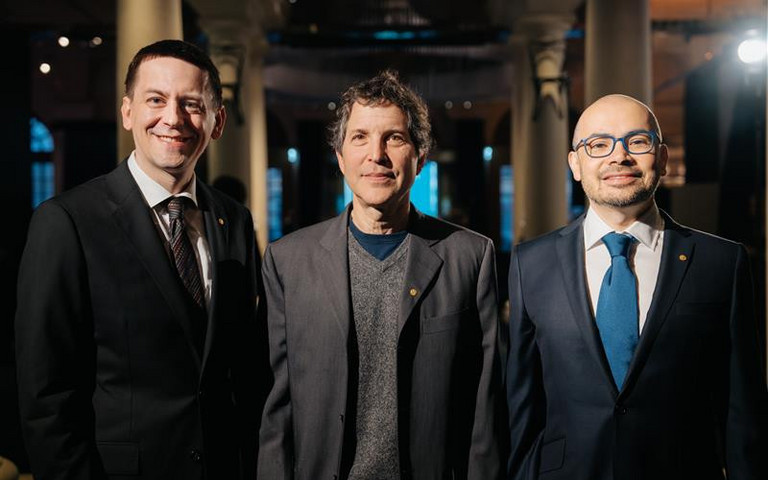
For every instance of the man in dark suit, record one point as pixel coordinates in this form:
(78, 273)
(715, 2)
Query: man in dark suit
(136, 337)
(382, 321)
(634, 352)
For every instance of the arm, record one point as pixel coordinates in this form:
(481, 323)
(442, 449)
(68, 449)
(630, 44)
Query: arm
(525, 393)
(250, 371)
(55, 350)
(275, 436)
(484, 456)
(747, 416)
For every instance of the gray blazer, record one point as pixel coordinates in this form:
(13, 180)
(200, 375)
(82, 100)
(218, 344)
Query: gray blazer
(448, 361)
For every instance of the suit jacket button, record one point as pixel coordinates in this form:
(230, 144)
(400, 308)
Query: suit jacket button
(195, 455)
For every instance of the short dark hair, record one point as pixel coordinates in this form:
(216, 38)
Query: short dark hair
(385, 88)
(176, 49)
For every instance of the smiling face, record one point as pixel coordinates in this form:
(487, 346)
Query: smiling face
(378, 158)
(621, 180)
(172, 116)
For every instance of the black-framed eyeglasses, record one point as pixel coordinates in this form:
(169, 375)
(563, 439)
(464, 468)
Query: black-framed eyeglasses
(601, 145)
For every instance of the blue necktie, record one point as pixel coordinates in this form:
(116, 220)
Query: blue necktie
(617, 307)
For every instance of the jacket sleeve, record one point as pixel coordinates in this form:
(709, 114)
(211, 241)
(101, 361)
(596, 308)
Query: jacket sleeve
(250, 370)
(484, 454)
(747, 415)
(275, 436)
(55, 350)
(525, 392)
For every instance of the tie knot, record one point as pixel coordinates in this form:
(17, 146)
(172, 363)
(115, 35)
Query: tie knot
(618, 244)
(176, 208)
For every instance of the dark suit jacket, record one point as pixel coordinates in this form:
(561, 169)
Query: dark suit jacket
(110, 380)
(448, 363)
(694, 399)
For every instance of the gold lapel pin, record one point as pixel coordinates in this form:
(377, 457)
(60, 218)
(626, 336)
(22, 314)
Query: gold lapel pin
(683, 257)
(413, 292)
(221, 221)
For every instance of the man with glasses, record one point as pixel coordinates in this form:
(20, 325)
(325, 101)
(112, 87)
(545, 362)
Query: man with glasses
(634, 352)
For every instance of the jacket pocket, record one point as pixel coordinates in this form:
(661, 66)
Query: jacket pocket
(552, 455)
(119, 458)
(441, 323)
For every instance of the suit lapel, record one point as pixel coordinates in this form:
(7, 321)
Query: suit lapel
(570, 252)
(216, 226)
(133, 216)
(336, 264)
(421, 267)
(676, 255)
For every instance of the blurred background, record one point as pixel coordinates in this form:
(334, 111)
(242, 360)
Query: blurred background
(505, 81)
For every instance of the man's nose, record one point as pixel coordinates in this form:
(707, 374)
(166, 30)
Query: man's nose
(620, 152)
(378, 150)
(173, 114)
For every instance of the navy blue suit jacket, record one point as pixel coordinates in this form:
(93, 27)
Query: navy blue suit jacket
(694, 400)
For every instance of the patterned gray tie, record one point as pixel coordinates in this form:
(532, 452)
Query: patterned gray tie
(183, 253)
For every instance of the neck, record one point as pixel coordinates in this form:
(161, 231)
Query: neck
(620, 218)
(380, 221)
(174, 182)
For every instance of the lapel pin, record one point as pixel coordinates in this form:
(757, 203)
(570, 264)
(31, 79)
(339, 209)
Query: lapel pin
(683, 257)
(221, 221)
(413, 292)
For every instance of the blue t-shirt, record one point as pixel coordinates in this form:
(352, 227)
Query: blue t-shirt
(380, 246)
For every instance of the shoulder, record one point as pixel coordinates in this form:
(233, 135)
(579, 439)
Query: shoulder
(703, 240)
(85, 199)
(308, 237)
(444, 234)
(546, 244)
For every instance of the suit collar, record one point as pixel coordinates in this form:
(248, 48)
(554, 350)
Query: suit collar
(677, 254)
(570, 251)
(132, 214)
(422, 265)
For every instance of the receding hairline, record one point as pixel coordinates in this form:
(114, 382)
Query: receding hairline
(616, 98)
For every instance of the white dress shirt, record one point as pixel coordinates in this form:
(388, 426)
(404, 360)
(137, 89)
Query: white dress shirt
(156, 196)
(644, 256)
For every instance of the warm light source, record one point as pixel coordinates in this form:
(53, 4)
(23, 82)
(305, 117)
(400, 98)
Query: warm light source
(752, 50)
(63, 41)
(45, 68)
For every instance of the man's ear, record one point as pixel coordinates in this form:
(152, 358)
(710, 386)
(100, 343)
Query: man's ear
(221, 119)
(421, 162)
(661, 159)
(125, 113)
(340, 160)
(573, 163)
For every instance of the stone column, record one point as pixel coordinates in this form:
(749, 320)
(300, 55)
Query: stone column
(540, 125)
(139, 23)
(256, 108)
(229, 155)
(618, 50)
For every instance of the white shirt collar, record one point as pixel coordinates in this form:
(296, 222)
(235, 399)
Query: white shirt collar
(153, 192)
(646, 229)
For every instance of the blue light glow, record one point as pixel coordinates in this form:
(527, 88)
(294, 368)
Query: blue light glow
(293, 155)
(488, 153)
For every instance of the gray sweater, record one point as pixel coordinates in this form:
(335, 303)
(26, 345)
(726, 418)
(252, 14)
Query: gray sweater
(376, 287)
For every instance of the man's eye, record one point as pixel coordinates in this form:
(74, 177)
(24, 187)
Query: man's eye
(599, 144)
(396, 139)
(155, 101)
(193, 107)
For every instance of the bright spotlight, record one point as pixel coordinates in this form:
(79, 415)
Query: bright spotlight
(752, 50)
(45, 68)
(63, 41)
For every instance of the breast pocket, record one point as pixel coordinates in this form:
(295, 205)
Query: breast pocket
(444, 322)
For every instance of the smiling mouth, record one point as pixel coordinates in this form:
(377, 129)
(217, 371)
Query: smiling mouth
(172, 138)
(379, 176)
